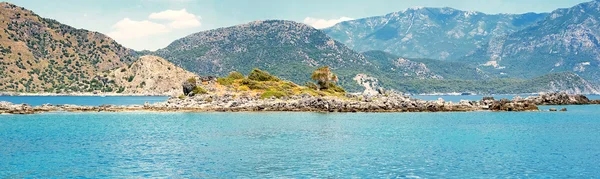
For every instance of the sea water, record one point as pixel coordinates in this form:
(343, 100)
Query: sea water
(83, 100)
(457, 98)
(303, 145)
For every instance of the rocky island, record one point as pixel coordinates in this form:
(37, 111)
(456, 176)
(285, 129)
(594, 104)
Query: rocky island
(260, 91)
(308, 103)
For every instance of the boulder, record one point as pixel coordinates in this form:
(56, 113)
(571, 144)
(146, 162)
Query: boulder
(563, 109)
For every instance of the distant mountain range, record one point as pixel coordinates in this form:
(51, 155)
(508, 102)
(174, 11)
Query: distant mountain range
(566, 40)
(520, 46)
(402, 51)
(435, 33)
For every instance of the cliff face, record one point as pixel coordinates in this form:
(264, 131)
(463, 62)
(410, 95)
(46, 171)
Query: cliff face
(150, 75)
(38, 54)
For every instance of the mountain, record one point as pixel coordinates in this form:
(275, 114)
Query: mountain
(293, 50)
(419, 68)
(434, 33)
(149, 75)
(553, 82)
(39, 54)
(286, 49)
(566, 40)
(414, 75)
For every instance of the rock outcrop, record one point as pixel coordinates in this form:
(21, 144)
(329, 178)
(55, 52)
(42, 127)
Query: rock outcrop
(350, 103)
(561, 98)
(150, 75)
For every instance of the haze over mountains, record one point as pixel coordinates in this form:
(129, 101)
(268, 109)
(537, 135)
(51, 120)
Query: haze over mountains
(436, 33)
(419, 50)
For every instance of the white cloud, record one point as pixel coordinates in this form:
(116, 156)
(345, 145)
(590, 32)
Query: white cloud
(131, 29)
(177, 19)
(324, 23)
(159, 25)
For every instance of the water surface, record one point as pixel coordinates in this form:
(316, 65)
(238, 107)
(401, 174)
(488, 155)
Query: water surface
(457, 98)
(83, 100)
(304, 145)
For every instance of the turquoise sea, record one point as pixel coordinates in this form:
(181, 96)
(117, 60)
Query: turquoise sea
(457, 98)
(83, 100)
(302, 145)
(130, 100)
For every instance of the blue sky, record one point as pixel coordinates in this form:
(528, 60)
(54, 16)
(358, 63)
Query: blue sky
(153, 24)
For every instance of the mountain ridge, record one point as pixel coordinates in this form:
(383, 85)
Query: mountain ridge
(435, 33)
(42, 55)
(566, 40)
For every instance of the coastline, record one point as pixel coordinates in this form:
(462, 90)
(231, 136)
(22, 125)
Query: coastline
(307, 103)
(80, 94)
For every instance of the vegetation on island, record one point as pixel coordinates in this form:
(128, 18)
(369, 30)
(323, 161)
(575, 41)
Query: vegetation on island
(263, 84)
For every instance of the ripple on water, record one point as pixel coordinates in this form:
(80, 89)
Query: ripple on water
(306, 145)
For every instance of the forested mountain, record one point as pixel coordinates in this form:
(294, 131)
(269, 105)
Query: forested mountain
(39, 54)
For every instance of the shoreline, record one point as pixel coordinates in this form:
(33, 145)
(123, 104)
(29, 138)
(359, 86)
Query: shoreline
(307, 103)
(82, 94)
(167, 95)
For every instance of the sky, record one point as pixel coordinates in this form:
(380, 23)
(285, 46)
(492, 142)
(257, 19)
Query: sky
(154, 24)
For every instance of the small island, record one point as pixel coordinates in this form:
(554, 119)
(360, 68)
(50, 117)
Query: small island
(260, 91)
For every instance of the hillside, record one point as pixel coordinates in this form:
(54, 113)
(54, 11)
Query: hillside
(566, 40)
(434, 33)
(149, 75)
(39, 54)
(293, 50)
(286, 49)
(401, 68)
(553, 82)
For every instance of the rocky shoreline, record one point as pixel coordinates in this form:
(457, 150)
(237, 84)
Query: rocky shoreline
(308, 103)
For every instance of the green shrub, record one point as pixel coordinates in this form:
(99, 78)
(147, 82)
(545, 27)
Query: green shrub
(336, 88)
(259, 75)
(254, 84)
(199, 90)
(182, 96)
(288, 85)
(191, 80)
(269, 94)
(225, 81)
(130, 78)
(236, 75)
(312, 85)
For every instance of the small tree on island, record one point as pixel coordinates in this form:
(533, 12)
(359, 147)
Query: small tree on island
(325, 78)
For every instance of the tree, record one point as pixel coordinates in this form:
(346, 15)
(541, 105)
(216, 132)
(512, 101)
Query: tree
(324, 77)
